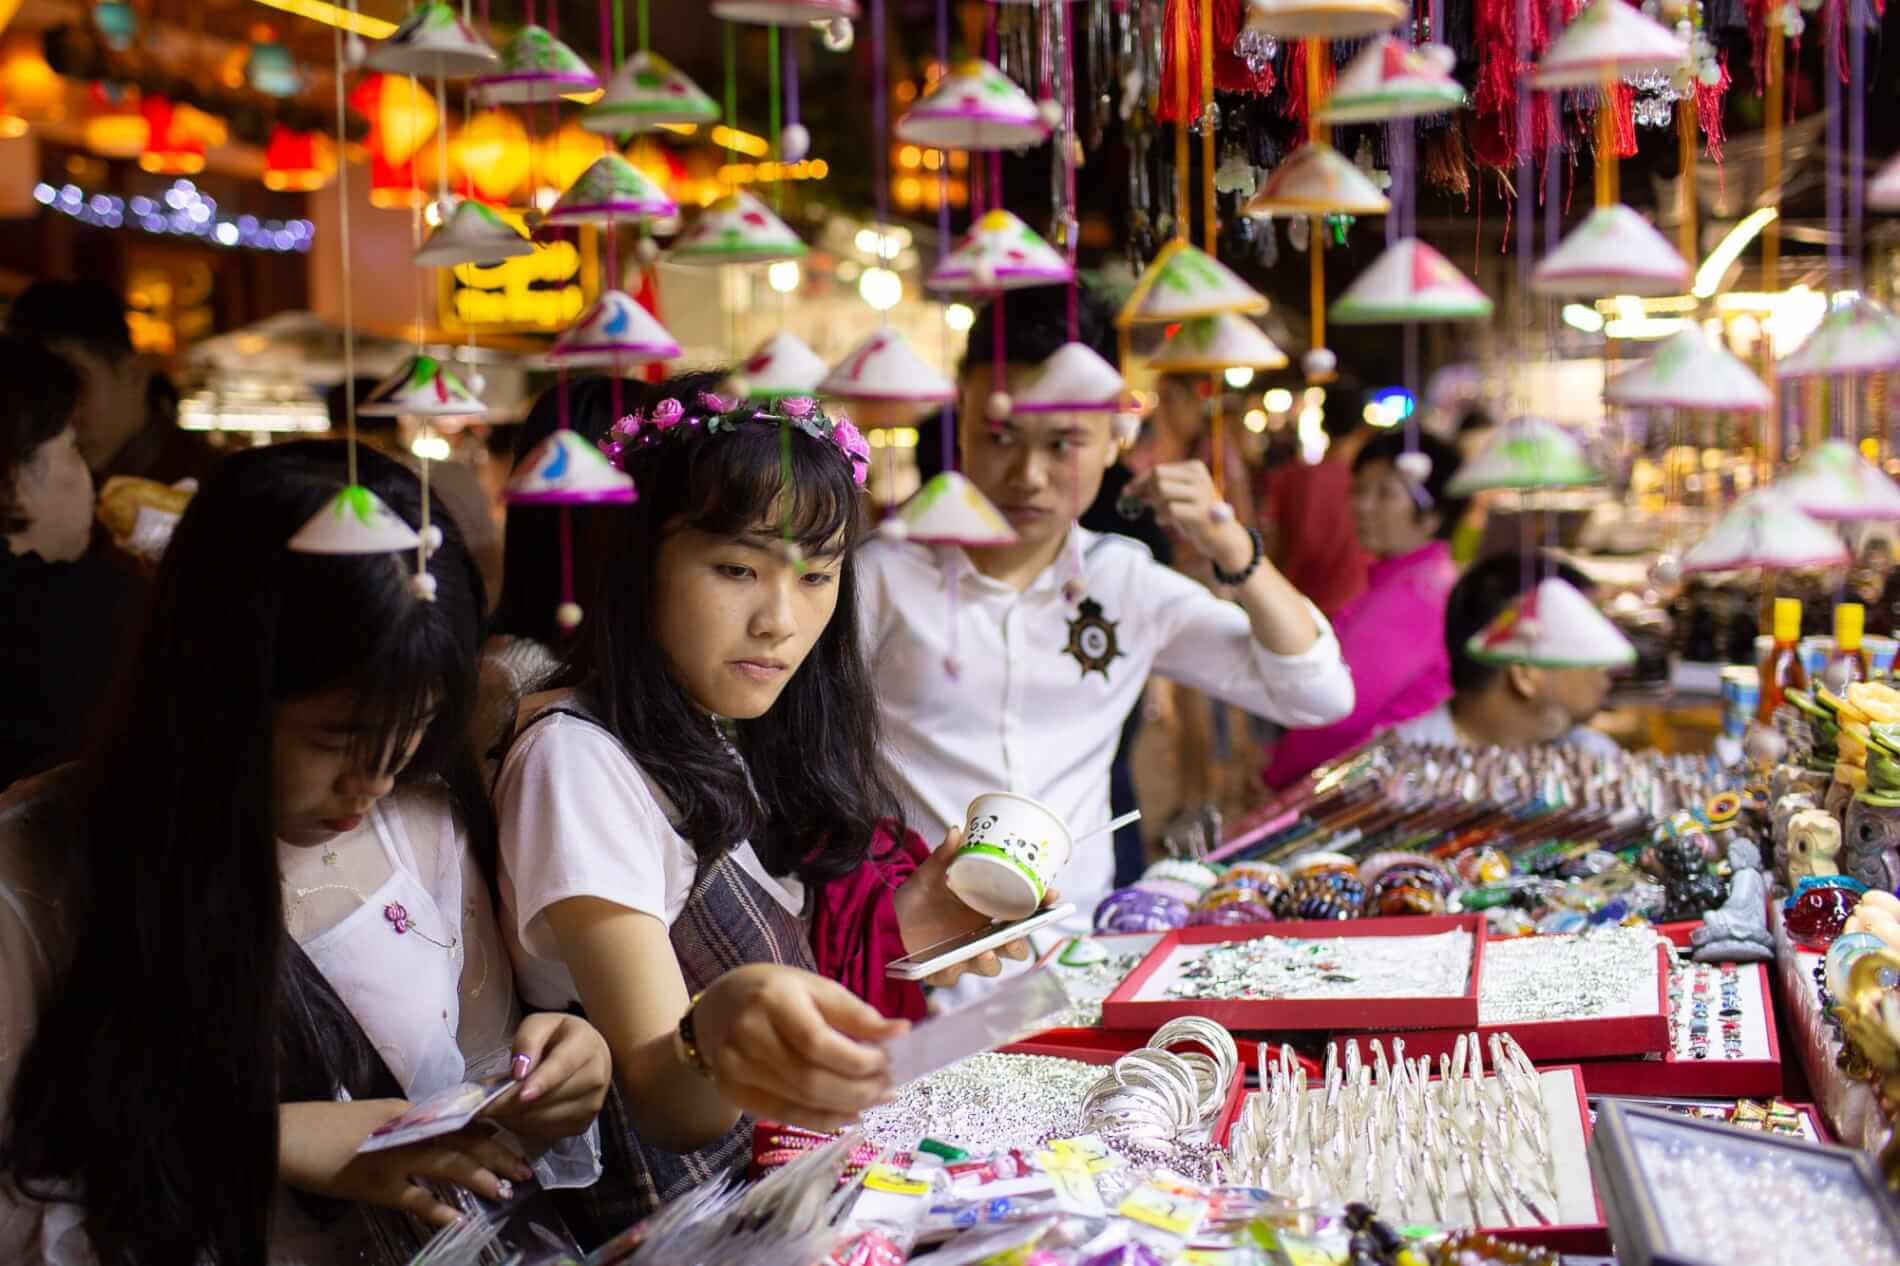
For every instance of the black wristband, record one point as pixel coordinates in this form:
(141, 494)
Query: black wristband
(1245, 574)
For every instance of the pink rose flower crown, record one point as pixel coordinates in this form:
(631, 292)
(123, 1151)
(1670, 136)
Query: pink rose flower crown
(717, 415)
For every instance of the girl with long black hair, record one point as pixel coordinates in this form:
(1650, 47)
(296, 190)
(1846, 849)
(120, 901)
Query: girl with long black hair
(255, 922)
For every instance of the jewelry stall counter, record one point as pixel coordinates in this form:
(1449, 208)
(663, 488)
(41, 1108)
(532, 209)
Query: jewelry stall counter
(1851, 1109)
(1722, 1039)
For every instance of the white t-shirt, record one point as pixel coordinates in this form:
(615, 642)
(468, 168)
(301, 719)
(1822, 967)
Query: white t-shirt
(1435, 728)
(580, 819)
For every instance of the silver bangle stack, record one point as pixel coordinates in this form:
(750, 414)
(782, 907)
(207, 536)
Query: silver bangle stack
(1156, 1097)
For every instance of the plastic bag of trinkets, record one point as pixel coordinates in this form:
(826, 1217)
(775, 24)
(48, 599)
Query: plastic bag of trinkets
(1684, 1192)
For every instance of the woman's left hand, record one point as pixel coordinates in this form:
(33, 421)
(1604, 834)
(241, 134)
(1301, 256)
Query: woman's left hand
(928, 913)
(562, 1067)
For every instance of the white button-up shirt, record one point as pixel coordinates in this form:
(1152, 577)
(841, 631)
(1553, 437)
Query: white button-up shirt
(1045, 685)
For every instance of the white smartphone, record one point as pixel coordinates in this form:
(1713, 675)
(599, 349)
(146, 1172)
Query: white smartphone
(960, 949)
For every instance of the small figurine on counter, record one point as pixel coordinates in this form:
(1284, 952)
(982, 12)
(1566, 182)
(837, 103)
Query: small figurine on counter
(1786, 807)
(1814, 840)
(1870, 844)
(1688, 887)
(1738, 932)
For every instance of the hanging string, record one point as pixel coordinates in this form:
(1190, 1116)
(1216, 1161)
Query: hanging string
(731, 57)
(1776, 65)
(1856, 135)
(1834, 261)
(1182, 206)
(946, 414)
(1316, 50)
(645, 29)
(343, 255)
(775, 131)
(1210, 230)
(620, 36)
(1071, 227)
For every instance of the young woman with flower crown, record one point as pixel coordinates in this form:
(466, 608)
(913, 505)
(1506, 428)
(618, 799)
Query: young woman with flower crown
(704, 774)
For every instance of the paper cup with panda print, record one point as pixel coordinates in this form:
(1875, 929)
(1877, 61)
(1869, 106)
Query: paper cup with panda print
(1012, 848)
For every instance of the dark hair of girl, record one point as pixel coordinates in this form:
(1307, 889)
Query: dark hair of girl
(814, 756)
(39, 390)
(531, 560)
(186, 1013)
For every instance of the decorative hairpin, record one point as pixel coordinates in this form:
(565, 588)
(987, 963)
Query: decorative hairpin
(717, 414)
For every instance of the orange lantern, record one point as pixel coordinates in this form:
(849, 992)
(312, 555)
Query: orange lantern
(402, 118)
(178, 135)
(493, 154)
(297, 162)
(568, 153)
(32, 86)
(116, 128)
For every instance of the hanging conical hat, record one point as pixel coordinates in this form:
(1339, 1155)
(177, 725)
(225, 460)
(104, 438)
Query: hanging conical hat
(975, 106)
(1764, 529)
(949, 510)
(737, 229)
(355, 522)
(783, 12)
(611, 189)
(1410, 282)
(1075, 379)
(1690, 370)
(1834, 481)
(1317, 179)
(1553, 626)
(616, 330)
(883, 367)
(1208, 344)
(1883, 191)
(1608, 40)
(783, 366)
(1000, 252)
(473, 234)
(433, 40)
(1391, 79)
(645, 92)
(535, 67)
(423, 388)
(1613, 252)
(1527, 452)
(1185, 281)
(1857, 337)
(564, 469)
(1326, 19)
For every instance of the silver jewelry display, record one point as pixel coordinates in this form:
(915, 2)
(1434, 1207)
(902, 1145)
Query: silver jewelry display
(1336, 967)
(1529, 978)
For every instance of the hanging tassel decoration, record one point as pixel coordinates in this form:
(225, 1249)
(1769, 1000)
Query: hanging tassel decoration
(1180, 65)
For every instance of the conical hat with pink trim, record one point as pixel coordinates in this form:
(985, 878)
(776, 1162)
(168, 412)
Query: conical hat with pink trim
(356, 521)
(783, 12)
(1184, 281)
(1608, 41)
(737, 229)
(1391, 79)
(1553, 626)
(1317, 179)
(1856, 337)
(1208, 344)
(646, 92)
(883, 367)
(535, 67)
(1883, 191)
(617, 330)
(433, 40)
(783, 366)
(1613, 252)
(1765, 529)
(564, 469)
(974, 106)
(1000, 252)
(949, 510)
(1075, 379)
(423, 388)
(473, 234)
(1324, 19)
(1410, 282)
(1690, 370)
(611, 189)
(1835, 481)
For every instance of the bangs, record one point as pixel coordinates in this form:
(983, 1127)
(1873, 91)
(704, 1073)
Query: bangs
(738, 482)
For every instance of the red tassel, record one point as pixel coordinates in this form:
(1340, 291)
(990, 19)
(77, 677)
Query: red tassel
(1174, 41)
(1625, 121)
(1296, 82)
(1708, 109)
(1757, 12)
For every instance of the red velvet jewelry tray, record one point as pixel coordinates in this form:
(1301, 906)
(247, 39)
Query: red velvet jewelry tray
(1127, 1008)
(1236, 1094)
(1561, 1041)
(1674, 1072)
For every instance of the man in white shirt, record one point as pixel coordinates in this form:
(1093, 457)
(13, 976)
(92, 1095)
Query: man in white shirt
(1509, 705)
(1021, 680)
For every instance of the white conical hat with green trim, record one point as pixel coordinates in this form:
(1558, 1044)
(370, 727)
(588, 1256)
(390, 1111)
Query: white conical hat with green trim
(1856, 337)
(1527, 453)
(356, 521)
(1883, 191)
(644, 93)
(474, 233)
(1324, 19)
(1185, 281)
(999, 252)
(611, 189)
(535, 67)
(1410, 282)
(1765, 529)
(1836, 481)
(975, 106)
(1690, 370)
(564, 469)
(1614, 251)
(950, 510)
(1391, 79)
(883, 367)
(737, 229)
(1209, 344)
(1553, 626)
(1075, 379)
(783, 12)
(783, 365)
(433, 40)
(1317, 179)
(1608, 41)
(422, 388)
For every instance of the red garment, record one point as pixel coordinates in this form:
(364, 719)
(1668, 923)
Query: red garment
(1318, 550)
(854, 932)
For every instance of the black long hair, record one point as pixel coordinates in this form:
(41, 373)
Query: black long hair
(814, 756)
(531, 541)
(187, 1013)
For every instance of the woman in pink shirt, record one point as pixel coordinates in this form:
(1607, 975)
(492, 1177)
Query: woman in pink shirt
(1393, 634)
